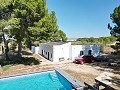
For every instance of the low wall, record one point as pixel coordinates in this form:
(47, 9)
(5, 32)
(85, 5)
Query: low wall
(34, 49)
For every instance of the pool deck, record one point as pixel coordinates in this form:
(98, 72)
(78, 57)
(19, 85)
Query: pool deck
(77, 85)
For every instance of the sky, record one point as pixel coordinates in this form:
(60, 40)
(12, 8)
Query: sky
(83, 18)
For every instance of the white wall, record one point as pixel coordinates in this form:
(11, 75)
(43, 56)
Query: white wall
(66, 51)
(33, 49)
(85, 48)
(39, 51)
(56, 53)
(61, 51)
(46, 49)
(76, 51)
(94, 48)
(36, 50)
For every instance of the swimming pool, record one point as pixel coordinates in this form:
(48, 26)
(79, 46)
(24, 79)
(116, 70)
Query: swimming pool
(50, 80)
(44, 80)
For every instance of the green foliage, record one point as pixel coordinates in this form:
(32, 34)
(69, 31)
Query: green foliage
(46, 30)
(6, 67)
(115, 17)
(115, 31)
(30, 22)
(2, 26)
(25, 61)
(102, 47)
(116, 47)
(101, 40)
(30, 61)
(1, 37)
(13, 46)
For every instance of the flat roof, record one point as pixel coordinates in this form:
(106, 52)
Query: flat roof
(55, 43)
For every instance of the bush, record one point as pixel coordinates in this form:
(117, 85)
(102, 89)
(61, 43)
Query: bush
(116, 53)
(6, 67)
(102, 47)
(24, 60)
(30, 61)
(13, 46)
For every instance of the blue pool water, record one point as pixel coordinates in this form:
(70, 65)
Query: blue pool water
(50, 80)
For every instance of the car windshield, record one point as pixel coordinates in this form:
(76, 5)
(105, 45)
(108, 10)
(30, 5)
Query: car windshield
(85, 56)
(81, 55)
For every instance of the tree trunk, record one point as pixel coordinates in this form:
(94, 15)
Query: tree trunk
(19, 50)
(5, 48)
(6, 53)
(29, 44)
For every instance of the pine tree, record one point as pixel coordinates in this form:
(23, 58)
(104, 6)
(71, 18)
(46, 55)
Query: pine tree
(115, 31)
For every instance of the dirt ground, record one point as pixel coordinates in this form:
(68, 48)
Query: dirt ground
(84, 73)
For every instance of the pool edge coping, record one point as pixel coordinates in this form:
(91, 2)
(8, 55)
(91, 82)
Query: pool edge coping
(75, 83)
(27, 73)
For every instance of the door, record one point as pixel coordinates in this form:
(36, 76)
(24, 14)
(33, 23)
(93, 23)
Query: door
(48, 55)
(89, 52)
(42, 52)
(81, 53)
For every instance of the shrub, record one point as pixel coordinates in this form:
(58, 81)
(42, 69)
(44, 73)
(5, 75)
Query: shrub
(6, 67)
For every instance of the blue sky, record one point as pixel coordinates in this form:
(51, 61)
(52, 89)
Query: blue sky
(83, 18)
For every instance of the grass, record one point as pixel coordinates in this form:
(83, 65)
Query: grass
(6, 67)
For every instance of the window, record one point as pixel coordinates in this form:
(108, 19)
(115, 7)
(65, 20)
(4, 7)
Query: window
(89, 52)
(42, 52)
(46, 53)
(81, 53)
(51, 55)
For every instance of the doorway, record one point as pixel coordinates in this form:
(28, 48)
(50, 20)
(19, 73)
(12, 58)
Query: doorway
(89, 52)
(42, 52)
(48, 55)
(81, 53)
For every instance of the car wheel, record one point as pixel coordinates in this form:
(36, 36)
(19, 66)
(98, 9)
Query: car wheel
(74, 62)
(93, 61)
(82, 62)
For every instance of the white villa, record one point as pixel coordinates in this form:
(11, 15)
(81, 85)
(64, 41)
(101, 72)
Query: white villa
(57, 51)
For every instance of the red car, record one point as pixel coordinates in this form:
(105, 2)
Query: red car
(84, 59)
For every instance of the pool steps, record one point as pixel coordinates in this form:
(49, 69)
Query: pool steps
(54, 77)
